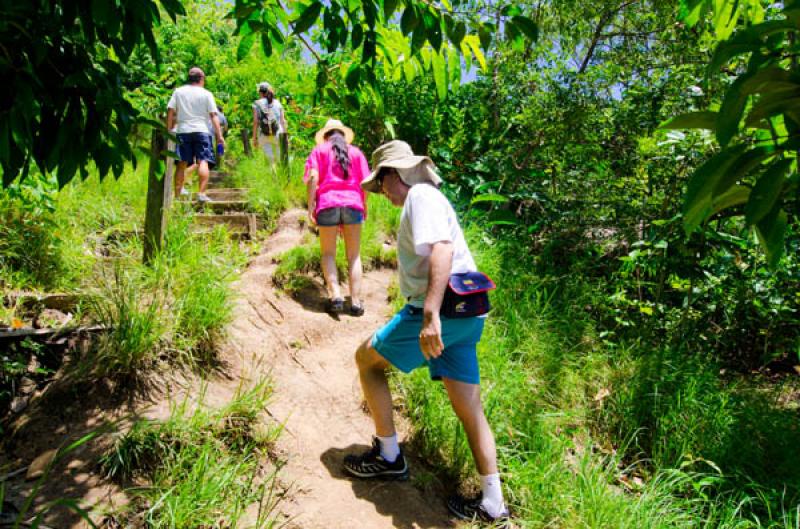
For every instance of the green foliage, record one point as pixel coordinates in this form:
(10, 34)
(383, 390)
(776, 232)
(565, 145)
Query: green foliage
(202, 465)
(64, 81)
(273, 188)
(760, 102)
(30, 250)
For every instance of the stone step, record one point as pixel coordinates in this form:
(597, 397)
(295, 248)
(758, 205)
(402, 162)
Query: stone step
(239, 224)
(225, 193)
(221, 206)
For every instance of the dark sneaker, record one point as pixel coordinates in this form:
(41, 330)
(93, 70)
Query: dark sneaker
(471, 509)
(357, 309)
(336, 305)
(371, 464)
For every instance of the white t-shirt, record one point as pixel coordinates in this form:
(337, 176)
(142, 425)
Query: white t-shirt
(193, 107)
(276, 107)
(427, 218)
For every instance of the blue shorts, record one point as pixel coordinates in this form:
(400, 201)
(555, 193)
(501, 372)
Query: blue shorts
(337, 216)
(196, 147)
(398, 342)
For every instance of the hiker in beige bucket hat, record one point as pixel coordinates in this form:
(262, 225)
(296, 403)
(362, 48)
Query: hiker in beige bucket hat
(398, 155)
(431, 250)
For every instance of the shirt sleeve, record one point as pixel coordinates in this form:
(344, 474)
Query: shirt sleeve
(429, 223)
(363, 166)
(212, 105)
(172, 103)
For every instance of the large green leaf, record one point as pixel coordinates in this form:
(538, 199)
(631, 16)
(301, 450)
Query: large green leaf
(692, 120)
(770, 80)
(697, 203)
(730, 113)
(745, 163)
(771, 231)
(389, 7)
(735, 196)
(472, 43)
(455, 30)
(767, 191)
(489, 197)
(439, 75)
(245, 44)
(307, 17)
(773, 105)
(266, 45)
(409, 20)
(747, 41)
(353, 76)
(528, 27)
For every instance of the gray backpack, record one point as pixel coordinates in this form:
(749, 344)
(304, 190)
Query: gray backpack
(267, 118)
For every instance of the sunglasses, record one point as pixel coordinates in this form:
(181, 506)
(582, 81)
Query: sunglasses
(381, 176)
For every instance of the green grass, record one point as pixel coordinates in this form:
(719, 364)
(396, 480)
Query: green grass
(86, 238)
(201, 466)
(295, 265)
(273, 188)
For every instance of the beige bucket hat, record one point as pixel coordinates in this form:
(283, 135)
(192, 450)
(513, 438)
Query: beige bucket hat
(334, 124)
(398, 155)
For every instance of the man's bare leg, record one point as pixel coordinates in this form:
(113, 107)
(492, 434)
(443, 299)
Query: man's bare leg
(180, 167)
(466, 401)
(202, 174)
(372, 372)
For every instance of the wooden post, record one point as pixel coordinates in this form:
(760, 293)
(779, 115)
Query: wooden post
(284, 149)
(246, 143)
(159, 194)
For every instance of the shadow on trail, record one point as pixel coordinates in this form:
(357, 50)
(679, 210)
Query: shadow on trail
(314, 298)
(409, 507)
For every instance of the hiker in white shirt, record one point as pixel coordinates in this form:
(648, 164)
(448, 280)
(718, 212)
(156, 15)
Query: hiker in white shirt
(430, 251)
(188, 110)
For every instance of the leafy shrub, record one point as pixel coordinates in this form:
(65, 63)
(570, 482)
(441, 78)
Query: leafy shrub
(30, 249)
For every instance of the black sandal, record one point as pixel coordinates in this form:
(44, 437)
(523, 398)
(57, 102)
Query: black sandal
(357, 309)
(336, 305)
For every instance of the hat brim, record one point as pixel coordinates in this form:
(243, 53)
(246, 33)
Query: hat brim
(349, 135)
(407, 162)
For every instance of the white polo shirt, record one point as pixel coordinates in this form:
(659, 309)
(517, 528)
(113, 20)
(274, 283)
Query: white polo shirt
(193, 107)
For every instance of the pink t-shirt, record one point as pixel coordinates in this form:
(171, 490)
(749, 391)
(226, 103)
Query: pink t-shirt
(333, 190)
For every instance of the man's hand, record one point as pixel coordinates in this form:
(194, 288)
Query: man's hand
(221, 140)
(430, 337)
(255, 142)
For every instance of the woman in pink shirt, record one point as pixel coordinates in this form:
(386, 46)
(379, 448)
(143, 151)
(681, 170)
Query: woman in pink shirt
(334, 171)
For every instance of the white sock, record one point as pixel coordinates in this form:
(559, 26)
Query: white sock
(390, 449)
(492, 499)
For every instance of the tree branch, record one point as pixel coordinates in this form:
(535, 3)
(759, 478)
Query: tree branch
(605, 18)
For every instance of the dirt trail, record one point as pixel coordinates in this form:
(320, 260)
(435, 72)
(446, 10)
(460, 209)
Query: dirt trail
(309, 355)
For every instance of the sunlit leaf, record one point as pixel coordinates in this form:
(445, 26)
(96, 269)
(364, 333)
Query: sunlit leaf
(692, 120)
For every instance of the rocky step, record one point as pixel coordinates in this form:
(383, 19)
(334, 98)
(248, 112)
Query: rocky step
(220, 206)
(225, 193)
(239, 224)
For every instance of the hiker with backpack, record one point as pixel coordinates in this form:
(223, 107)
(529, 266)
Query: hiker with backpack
(269, 122)
(333, 175)
(439, 327)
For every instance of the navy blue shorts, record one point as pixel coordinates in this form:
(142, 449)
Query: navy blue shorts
(196, 147)
(337, 216)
